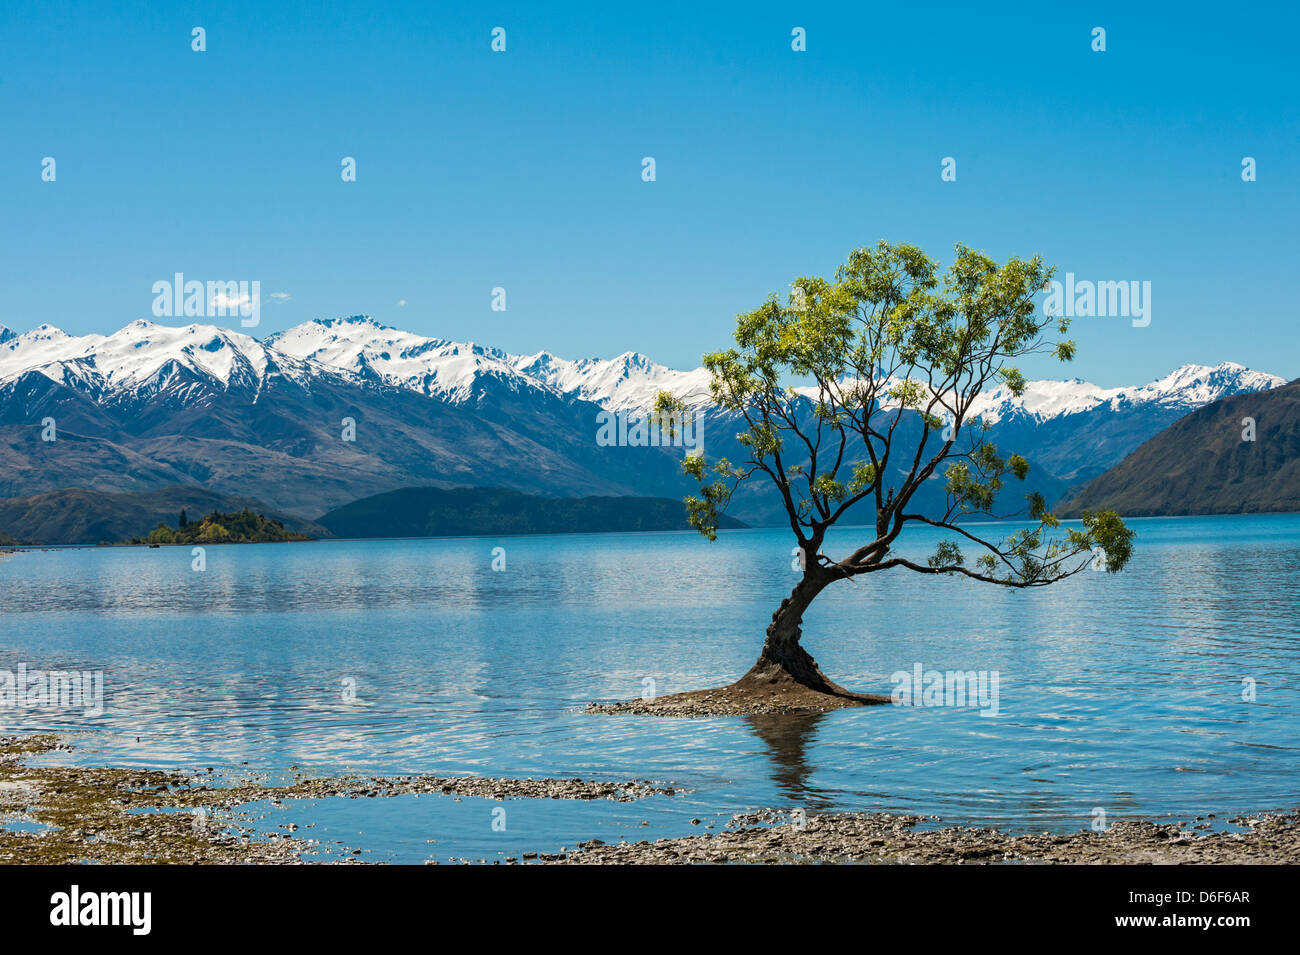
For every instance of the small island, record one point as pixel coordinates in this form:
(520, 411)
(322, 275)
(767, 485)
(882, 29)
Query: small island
(238, 527)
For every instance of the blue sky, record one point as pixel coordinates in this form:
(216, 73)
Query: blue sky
(523, 169)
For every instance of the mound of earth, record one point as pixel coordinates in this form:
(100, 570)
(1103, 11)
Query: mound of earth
(762, 690)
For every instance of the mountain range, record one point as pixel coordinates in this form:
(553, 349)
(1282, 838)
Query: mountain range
(151, 406)
(1240, 454)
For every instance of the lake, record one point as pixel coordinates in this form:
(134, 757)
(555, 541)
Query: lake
(1171, 689)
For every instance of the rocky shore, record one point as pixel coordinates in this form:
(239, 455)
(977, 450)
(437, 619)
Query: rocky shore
(69, 814)
(882, 838)
(78, 814)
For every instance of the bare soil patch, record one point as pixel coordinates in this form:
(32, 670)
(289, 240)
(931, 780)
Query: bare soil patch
(760, 691)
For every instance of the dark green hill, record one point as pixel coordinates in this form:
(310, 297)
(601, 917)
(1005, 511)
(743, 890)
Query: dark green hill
(476, 511)
(82, 516)
(1201, 465)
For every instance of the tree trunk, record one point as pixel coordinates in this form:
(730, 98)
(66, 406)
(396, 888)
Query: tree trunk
(783, 660)
(784, 681)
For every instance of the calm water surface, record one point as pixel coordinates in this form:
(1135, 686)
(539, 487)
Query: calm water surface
(1116, 691)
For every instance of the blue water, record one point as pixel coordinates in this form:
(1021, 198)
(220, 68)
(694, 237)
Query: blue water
(1123, 692)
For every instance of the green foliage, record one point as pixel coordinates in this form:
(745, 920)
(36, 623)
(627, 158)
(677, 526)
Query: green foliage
(1014, 380)
(1107, 531)
(671, 412)
(242, 527)
(702, 512)
(864, 476)
(893, 334)
(947, 555)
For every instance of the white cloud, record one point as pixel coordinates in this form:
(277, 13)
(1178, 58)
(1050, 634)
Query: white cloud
(229, 303)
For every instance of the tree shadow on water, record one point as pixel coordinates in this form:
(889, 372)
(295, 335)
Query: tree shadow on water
(787, 737)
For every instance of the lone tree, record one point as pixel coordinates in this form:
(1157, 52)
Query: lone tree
(896, 353)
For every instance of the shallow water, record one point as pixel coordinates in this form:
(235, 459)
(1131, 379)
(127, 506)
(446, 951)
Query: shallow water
(1123, 692)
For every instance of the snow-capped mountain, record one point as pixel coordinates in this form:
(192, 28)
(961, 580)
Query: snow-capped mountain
(458, 371)
(145, 355)
(1077, 430)
(151, 404)
(437, 367)
(42, 346)
(629, 382)
(1201, 465)
(1185, 388)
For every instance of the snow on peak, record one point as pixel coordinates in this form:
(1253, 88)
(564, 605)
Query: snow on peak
(40, 347)
(145, 353)
(455, 371)
(347, 322)
(138, 354)
(360, 345)
(629, 382)
(1201, 384)
(1189, 387)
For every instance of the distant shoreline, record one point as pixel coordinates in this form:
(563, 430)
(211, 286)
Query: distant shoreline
(15, 548)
